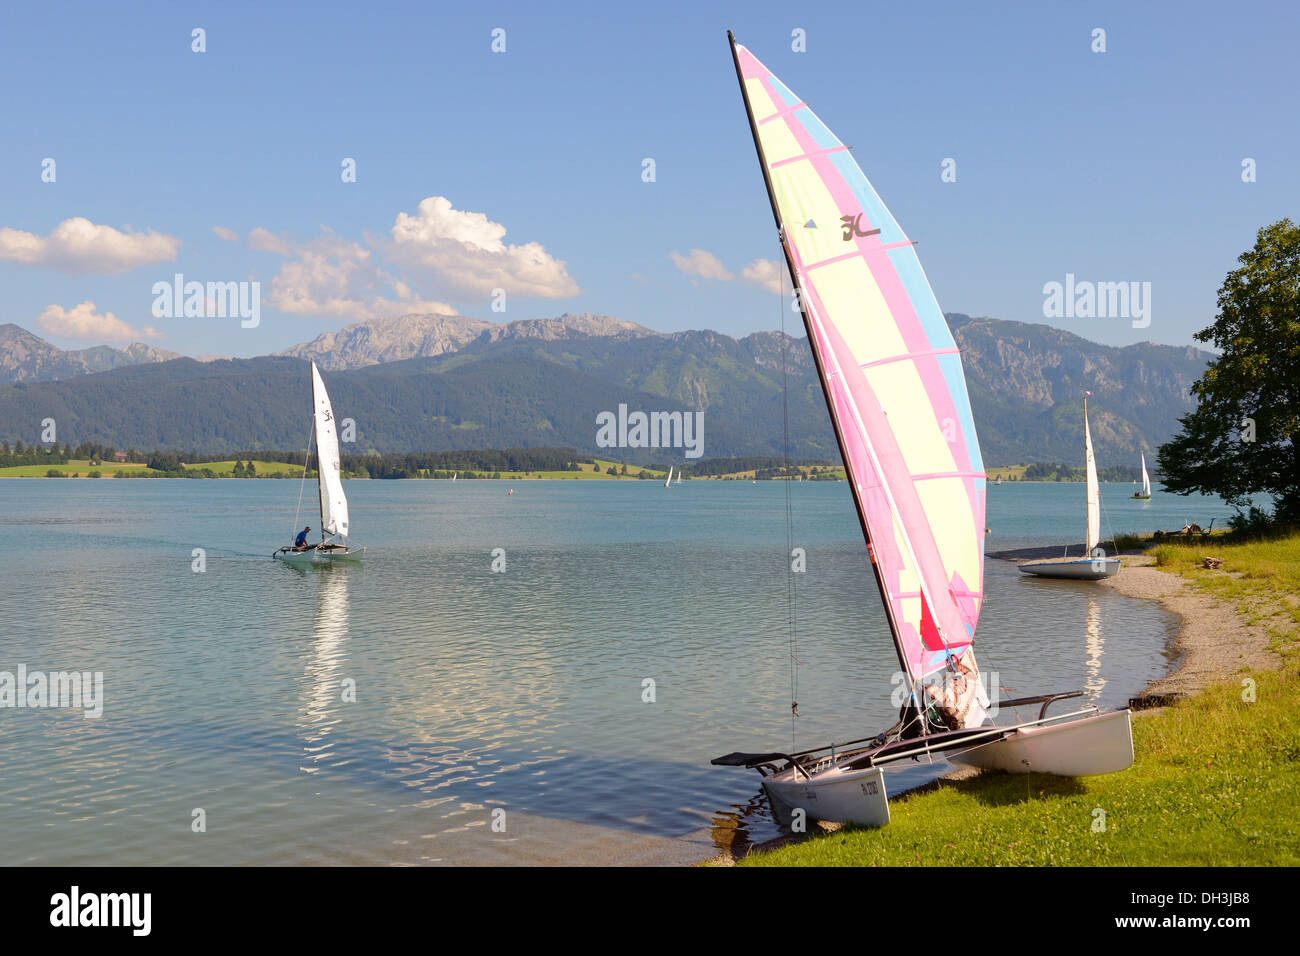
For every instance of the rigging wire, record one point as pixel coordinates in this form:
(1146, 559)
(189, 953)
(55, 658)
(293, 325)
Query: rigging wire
(789, 534)
(306, 458)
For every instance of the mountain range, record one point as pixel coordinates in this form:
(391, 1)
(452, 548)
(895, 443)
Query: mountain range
(25, 357)
(441, 382)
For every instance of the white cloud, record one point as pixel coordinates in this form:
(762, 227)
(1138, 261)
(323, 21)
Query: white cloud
(227, 234)
(701, 263)
(466, 253)
(83, 322)
(78, 245)
(264, 241)
(335, 278)
(767, 273)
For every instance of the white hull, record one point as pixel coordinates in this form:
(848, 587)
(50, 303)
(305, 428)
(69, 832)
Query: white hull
(1079, 569)
(313, 556)
(1081, 747)
(840, 796)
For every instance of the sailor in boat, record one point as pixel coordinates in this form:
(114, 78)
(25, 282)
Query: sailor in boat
(300, 542)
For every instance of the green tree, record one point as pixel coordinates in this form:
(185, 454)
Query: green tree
(1243, 438)
(249, 470)
(238, 470)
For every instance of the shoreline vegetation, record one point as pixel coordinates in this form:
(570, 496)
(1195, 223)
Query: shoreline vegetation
(514, 464)
(1216, 773)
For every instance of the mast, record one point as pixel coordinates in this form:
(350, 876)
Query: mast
(821, 371)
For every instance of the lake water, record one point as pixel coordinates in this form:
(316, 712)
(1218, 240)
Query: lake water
(512, 698)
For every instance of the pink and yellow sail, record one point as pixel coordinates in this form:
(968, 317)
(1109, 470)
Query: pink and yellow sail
(892, 375)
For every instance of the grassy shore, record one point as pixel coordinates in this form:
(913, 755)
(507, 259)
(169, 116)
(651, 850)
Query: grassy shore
(109, 469)
(1215, 781)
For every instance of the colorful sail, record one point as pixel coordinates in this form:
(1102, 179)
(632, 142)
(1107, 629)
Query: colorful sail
(333, 503)
(1094, 490)
(892, 374)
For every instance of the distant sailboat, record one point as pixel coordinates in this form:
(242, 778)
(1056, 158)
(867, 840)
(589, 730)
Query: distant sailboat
(679, 477)
(333, 502)
(1146, 481)
(670, 476)
(893, 382)
(454, 474)
(1094, 565)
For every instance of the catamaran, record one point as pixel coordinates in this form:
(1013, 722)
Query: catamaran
(1093, 565)
(333, 502)
(892, 378)
(1146, 481)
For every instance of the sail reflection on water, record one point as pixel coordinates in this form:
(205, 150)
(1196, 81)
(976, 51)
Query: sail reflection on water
(1093, 682)
(323, 676)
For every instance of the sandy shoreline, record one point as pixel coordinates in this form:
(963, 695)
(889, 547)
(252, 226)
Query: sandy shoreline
(1213, 642)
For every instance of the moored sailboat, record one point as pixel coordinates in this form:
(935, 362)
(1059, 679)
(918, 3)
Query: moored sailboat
(893, 382)
(1093, 565)
(333, 546)
(1146, 481)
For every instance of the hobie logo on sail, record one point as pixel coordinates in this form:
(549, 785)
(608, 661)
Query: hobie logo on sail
(215, 300)
(853, 227)
(651, 430)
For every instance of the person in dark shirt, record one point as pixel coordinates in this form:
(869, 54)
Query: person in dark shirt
(300, 542)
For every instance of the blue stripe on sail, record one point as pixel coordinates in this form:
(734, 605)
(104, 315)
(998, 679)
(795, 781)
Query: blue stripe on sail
(822, 136)
(782, 91)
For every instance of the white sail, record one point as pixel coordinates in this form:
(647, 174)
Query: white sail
(333, 503)
(1146, 481)
(670, 476)
(1094, 492)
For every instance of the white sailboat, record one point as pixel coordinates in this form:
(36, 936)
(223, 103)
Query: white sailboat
(679, 477)
(333, 546)
(670, 476)
(893, 382)
(1146, 481)
(1093, 565)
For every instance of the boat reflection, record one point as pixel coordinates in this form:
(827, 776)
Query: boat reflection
(324, 668)
(1093, 682)
(732, 829)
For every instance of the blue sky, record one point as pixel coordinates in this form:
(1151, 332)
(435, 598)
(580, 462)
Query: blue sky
(1117, 166)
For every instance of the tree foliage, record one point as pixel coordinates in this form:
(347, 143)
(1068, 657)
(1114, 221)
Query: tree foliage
(1242, 438)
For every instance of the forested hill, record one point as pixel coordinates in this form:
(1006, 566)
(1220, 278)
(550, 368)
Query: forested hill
(539, 388)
